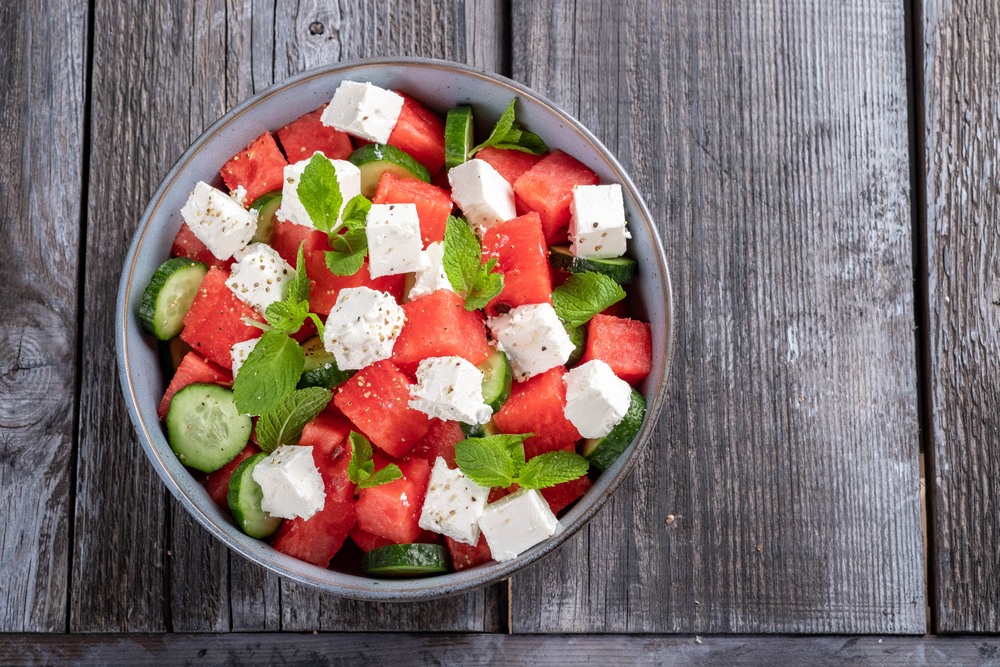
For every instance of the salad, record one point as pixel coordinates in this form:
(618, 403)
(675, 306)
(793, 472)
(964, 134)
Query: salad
(394, 347)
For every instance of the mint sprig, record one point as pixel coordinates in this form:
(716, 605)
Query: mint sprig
(283, 424)
(319, 192)
(350, 244)
(361, 467)
(270, 373)
(498, 461)
(462, 262)
(507, 134)
(584, 295)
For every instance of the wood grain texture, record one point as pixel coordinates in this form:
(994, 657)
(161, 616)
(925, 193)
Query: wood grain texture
(770, 140)
(961, 95)
(42, 96)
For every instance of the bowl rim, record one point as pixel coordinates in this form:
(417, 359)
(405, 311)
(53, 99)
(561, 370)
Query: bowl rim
(326, 579)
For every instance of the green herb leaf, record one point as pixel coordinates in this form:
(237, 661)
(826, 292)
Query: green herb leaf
(462, 262)
(319, 192)
(508, 135)
(349, 251)
(298, 287)
(318, 323)
(356, 211)
(361, 467)
(486, 286)
(552, 468)
(287, 316)
(390, 473)
(584, 295)
(490, 461)
(283, 424)
(270, 373)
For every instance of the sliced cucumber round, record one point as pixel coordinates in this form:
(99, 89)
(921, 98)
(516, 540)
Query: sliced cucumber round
(375, 159)
(619, 269)
(245, 497)
(266, 205)
(204, 428)
(406, 560)
(168, 296)
(578, 336)
(320, 368)
(458, 128)
(602, 452)
(479, 430)
(497, 379)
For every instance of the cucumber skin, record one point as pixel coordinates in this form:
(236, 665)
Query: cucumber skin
(621, 271)
(500, 399)
(326, 377)
(417, 560)
(146, 310)
(199, 462)
(259, 527)
(611, 446)
(371, 156)
(578, 336)
(457, 138)
(265, 226)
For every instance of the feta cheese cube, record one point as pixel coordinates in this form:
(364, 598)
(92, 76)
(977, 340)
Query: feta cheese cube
(261, 277)
(596, 398)
(363, 110)
(453, 504)
(597, 222)
(239, 195)
(534, 339)
(362, 327)
(484, 196)
(516, 523)
(240, 352)
(394, 244)
(218, 221)
(292, 210)
(290, 482)
(432, 278)
(450, 388)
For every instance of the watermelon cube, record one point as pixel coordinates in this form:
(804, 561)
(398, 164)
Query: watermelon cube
(561, 496)
(433, 204)
(214, 322)
(186, 244)
(392, 510)
(217, 483)
(440, 441)
(536, 406)
(366, 541)
(193, 368)
(377, 401)
(522, 257)
(509, 162)
(464, 556)
(547, 188)
(259, 168)
(306, 134)
(288, 236)
(419, 132)
(438, 325)
(327, 435)
(625, 345)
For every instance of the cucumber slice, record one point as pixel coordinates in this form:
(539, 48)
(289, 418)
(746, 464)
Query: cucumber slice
(375, 159)
(457, 136)
(320, 369)
(619, 269)
(266, 206)
(168, 296)
(204, 428)
(578, 336)
(602, 452)
(497, 379)
(245, 497)
(479, 430)
(406, 560)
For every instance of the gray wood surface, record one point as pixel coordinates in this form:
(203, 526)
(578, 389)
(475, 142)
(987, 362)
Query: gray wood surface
(42, 98)
(770, 140)
(960, 41)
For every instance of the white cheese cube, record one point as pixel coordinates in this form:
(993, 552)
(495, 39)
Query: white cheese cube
(453, 504)
(450, 388)
(363, 110)
(362, 327)
(240, 352)
(534, 339)
(516, 523)
(596, 398)
(597, 222)
(218, 221)
(432, 278)
(484, 196)
(261, 277)
(292, 210)
(290, 482)
(394, 244)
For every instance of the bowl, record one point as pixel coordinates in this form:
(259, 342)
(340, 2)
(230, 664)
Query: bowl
(441, 85)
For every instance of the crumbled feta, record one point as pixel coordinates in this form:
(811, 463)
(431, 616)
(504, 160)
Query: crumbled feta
(453, 504)
(218, 221)
(290, 482)
(292, 210)
(450, 388)
(260, 277)
(239, 195)
(394, 244)
(432, 278)
(533, 338)
(240, 352)
(484, 196)
(596, 398)
(362, 327)
(516, 523)
(597, 223)
(363, 110)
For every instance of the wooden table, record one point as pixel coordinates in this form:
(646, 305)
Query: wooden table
(824, 174)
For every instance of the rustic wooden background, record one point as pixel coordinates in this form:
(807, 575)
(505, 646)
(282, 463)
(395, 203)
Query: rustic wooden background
(824, 175)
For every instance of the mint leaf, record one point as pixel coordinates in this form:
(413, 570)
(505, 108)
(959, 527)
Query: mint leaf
(269, 374)
(462, 262)
(349, 251)
(508, 135)
(298, 287)
(290, 313)
(490, 461)
(283, 424)
(583, 296)
(361, 467)
(319, 192)
(552, 468)
(356, 210)
(390, 473)
(486, 286)
(318, 323)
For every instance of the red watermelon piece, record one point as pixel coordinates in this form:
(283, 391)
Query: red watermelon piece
(439, 441)
(288, 236)
(561, 496)
(217, 483)
(259, 168)
(508, 162)
(193, 368)
(547, 188)
(327, 434)
(464, 556)
(623, 344)
(366, 541)
(523, 258)
(214, 323)
(433, 204)
(392, 510)
(186, 244)
(419, 132)
(536, 406)
(306, 134)
(438, 325)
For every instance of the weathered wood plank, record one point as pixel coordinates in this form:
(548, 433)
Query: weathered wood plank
(961, 145)
(771, 142)
(42, 96)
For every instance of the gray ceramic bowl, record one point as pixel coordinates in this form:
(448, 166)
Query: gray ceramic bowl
(441, 85)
